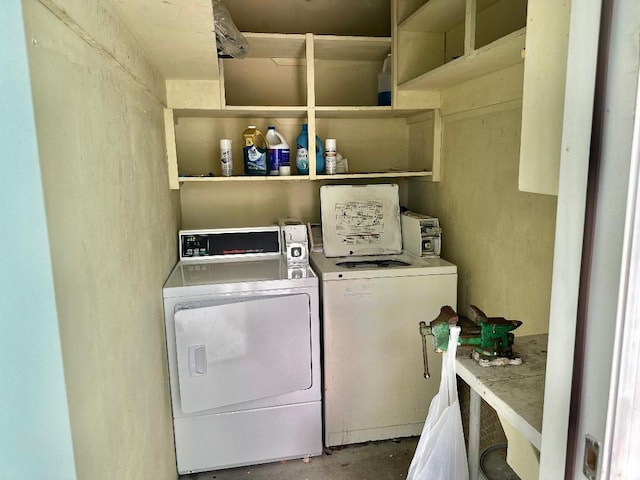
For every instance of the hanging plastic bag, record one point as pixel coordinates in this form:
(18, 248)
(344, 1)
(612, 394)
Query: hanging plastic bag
(229, 40)
(441, 453)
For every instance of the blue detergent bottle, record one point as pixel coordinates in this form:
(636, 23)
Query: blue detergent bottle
(302, 152)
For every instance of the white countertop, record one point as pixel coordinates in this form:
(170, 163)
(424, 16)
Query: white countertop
(515, 391)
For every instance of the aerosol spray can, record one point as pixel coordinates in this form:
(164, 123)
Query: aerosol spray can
(226, 157)
(330, 156)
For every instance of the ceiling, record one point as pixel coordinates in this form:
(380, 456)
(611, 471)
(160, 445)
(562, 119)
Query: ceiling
(177, 35)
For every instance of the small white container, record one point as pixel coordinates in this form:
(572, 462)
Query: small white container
(330, 156)
(226, 157)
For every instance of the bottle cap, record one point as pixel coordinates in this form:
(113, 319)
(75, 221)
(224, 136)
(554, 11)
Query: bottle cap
(330, 143)
(284, 170)
(225, 143)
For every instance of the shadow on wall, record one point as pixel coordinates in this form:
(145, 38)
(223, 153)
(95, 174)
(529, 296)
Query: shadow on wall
(500, 238)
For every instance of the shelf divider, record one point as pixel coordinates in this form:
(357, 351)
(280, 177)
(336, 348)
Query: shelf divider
(435, 16)
(502, 53)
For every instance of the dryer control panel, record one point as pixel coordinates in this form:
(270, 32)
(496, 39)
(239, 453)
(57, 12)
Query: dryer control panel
(222, 243)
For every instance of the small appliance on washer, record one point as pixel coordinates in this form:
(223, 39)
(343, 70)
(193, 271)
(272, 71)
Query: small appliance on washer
(243, 349)
(295, 246)
(421, 234)
(374, 296)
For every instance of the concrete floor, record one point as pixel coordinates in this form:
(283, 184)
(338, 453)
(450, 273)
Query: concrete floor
(382, 460)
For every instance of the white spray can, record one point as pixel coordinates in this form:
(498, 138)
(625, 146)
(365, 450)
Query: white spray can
(226, 157)
(330, 156)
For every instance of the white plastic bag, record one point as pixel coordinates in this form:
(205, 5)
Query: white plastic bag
(229, 40)
(441, 453)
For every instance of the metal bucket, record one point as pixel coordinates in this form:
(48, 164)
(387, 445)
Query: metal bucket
(494, 466)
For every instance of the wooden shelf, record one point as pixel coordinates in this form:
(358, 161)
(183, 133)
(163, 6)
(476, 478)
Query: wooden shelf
(246, 178)
(365, 112)
(297, 112)
(332, 47)
(337, 70)
(435, 16)
(294, 178)
(275, 45)
(439, 16)
(502, 53)
(243, 112)
(398, 174)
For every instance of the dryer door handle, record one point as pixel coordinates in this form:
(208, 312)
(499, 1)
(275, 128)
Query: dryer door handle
(197, 360)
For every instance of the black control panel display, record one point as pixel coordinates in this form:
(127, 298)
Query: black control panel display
(229, 243)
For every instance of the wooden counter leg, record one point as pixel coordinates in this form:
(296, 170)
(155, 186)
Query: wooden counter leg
(473, 455)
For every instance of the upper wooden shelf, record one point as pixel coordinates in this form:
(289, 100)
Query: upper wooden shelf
(331, 47)
(435, 16)
(326, 47)
(242, 111)
(275, 45)
(365, 112)
(390, 174)
(294, 178)
(439, 16)
(502, 53)
(297, 112)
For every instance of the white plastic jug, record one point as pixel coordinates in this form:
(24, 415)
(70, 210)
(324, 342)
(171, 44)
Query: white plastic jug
(279, 162)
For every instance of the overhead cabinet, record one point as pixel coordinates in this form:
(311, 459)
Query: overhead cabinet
(329, 83)
(441, 43)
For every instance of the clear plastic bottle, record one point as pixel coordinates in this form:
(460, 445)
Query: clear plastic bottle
(279, 163)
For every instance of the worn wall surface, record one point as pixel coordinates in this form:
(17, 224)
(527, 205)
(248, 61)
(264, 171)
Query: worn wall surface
(500, 238)
(112, 225)
(249, 204)
(34, 419)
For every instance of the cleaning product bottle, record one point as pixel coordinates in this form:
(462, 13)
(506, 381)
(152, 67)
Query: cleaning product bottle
(278, 153)
(384, 83)
(330, 156)
(226, 157)
(302, 152)
(255, 151)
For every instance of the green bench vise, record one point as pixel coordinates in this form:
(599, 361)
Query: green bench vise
(491, 337)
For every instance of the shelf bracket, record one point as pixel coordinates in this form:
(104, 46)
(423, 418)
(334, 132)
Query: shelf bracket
(470, 27)
(172, 156)
(437, 146)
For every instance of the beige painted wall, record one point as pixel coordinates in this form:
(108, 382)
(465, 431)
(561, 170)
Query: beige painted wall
(112, 225)
(500, 238)
(245, 204)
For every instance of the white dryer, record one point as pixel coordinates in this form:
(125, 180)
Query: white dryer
(242, 334)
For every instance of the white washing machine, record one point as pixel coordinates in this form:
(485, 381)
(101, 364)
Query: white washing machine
(374, 385)
(243, 350)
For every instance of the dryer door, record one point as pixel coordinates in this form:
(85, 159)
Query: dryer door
(254, 348)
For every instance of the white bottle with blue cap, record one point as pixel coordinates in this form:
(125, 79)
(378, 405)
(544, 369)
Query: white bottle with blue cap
(279, 163)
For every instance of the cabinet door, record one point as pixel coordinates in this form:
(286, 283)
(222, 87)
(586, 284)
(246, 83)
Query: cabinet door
(242, 351)
(545, 68)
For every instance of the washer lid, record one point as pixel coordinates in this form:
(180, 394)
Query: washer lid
(334, 268)
(360, 220)
(208, 277)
